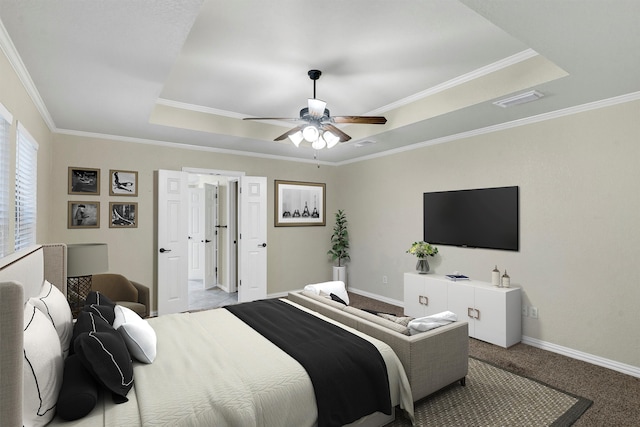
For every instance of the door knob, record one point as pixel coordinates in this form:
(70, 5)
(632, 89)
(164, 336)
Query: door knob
(163, 250)
(264, 245)
(207, 240)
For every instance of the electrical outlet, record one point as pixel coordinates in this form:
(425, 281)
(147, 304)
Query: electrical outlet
(525, 312)
(534, 312)
(385, 280)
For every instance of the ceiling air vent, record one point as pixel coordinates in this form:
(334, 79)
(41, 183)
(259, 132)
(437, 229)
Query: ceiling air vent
(523, 98)
(364, 143)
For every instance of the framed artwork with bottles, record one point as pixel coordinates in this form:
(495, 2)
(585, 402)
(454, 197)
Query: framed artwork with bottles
(299, 204)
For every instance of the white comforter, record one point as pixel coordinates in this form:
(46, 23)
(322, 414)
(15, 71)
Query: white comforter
(212, 369)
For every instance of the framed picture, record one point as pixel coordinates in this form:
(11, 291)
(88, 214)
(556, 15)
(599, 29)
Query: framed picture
(84, 215)
(84, 181)
(123, 215)
(299, 204)
(123, 183)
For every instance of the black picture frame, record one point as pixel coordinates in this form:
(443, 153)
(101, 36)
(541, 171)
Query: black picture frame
(299, 204)
(83, 214)
(123, 215)
(123, 183)
(84, 181)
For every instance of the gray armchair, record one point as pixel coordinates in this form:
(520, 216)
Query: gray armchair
(122, 291)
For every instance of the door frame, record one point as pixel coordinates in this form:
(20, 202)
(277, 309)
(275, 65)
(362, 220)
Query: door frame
(231, 262)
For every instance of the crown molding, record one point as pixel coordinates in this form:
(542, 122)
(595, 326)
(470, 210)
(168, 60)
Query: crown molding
(629, 97)
(189, 147)
(18, 66)
(465, 78)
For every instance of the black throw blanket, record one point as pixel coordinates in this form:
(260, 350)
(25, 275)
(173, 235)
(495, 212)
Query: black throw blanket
(348, 373)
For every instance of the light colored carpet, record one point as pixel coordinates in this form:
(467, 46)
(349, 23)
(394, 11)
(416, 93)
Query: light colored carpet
(495, 397)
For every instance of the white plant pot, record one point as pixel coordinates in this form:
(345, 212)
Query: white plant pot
(340, 273)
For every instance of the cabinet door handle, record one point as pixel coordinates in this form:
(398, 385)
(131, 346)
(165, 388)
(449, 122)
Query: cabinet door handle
(423, 300)
(469, 310)
(477, 314)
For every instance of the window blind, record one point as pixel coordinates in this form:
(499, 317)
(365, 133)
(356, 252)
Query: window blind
(26, 188)
(5, 125)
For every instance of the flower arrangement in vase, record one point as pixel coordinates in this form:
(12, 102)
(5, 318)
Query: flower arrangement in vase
(422, 250)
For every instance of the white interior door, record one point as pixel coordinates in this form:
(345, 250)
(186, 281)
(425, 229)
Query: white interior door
(172, 255)
(210, 240)
(232, 236)
(196, 234)
(253, 239)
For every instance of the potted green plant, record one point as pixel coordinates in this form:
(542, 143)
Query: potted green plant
(340, 246)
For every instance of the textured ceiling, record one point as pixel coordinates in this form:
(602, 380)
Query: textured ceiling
(187, 72)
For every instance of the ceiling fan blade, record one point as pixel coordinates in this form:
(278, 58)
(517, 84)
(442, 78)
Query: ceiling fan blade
(289, 132)
(371, 120)
(316, 107)
(343, 136)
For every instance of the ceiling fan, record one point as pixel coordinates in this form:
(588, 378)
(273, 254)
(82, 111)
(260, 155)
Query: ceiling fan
(318, 127)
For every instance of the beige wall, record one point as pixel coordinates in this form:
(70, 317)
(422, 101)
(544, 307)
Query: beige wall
(579, 185)
(16, 100)
(296, 255)
(580, 204)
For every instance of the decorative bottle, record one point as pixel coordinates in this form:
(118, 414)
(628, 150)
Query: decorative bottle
(495, 277)
(506, 280)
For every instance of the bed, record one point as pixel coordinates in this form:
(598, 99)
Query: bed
(202, 374)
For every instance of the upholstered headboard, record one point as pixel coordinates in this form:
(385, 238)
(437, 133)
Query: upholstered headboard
(21, 277)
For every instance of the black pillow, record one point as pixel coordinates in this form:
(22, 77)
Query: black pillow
(337, 298)
(98, 298)
(79, 391)
(88, 321)
(105, 355)
(105, 311)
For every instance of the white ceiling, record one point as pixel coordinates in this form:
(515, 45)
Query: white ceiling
(188, 71)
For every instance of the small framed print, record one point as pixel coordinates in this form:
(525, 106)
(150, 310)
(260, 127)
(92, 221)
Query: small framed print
(299, 204)
(123, 183)
(84, 181)
(123, 215)
(83, 214)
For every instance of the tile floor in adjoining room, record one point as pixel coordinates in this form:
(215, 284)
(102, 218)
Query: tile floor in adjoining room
(203, 299)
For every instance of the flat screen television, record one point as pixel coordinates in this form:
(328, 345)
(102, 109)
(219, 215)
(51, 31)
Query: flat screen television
(478, 218)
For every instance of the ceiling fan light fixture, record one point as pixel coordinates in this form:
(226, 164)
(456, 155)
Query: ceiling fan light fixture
(330, 138)
(296, 138)
(310, 133)
(316, 107)
(319, 143)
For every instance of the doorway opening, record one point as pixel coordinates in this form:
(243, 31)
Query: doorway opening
(213, 240)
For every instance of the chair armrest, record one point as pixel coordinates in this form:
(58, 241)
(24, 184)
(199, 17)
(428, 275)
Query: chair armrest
(143, 295)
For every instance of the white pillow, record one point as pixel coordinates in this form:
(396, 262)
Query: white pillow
(325, 289)
(43, 366)
(139, 336)
(54, 305)
(427, 323)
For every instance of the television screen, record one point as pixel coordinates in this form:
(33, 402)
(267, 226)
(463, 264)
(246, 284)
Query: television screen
(479, 218)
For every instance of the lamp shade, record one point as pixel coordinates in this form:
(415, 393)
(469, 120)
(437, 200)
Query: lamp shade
(296, 138)
(319, 143)
(86, 259)
(330, 138)
(310, 133)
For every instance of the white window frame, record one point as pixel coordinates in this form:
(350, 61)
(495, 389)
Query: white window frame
(26, 190)
(6, 120)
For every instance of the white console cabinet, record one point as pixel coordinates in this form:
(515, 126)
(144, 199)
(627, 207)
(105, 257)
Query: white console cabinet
(493, 314)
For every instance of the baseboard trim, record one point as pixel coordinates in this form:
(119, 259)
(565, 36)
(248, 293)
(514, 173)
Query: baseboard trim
(634, 371)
